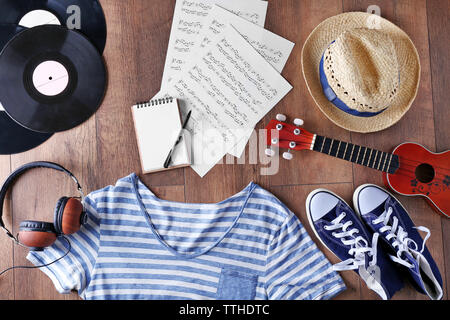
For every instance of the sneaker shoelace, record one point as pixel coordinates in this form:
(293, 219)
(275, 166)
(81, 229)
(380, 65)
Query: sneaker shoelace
(359, 247)
(360, 251)
(399, 237)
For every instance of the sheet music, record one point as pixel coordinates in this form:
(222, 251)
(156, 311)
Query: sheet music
(229, 89)
(189, 18)
(275, 49)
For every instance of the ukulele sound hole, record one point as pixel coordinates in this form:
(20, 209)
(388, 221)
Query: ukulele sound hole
(425, 173)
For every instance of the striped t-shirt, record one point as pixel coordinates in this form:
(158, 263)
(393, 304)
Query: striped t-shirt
(137, 246)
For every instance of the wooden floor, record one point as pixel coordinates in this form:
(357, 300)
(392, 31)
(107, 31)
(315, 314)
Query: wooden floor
(104, 149)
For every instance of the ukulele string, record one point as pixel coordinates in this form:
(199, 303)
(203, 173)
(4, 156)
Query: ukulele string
(438, 172)
(411, 172)
(403, 164)
(420, 162)
(427, 176)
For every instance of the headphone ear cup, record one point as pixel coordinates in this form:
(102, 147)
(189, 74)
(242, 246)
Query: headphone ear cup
(68, 215)
(59, 211)
(36, 234)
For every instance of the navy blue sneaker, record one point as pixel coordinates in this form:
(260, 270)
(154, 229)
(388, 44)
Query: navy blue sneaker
(384, 214)
(340, 230)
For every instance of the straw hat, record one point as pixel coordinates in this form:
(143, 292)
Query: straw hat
(363, 78)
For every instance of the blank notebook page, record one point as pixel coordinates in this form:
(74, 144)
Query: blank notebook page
(157, 126)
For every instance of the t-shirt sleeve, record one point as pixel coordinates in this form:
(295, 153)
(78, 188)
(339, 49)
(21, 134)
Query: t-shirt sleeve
(296, 269)
(74, 271)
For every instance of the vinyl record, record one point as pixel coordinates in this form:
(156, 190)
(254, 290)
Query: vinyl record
(52, 79)
(7, 32)
(13, 137)
(85, 16)
(16, 139)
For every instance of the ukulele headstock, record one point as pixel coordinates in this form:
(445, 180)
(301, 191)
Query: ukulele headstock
(287, 136)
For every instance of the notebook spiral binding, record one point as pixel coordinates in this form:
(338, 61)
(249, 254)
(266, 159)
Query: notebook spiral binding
(154, 102)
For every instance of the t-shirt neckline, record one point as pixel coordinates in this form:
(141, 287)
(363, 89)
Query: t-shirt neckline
(248, 190)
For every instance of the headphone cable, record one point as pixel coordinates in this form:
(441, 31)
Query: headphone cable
(42, 266)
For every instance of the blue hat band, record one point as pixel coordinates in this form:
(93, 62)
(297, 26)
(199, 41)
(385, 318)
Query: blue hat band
(332, 97)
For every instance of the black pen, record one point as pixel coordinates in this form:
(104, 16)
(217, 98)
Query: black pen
(180, 136)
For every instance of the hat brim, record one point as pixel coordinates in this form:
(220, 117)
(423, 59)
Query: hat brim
(408, 59)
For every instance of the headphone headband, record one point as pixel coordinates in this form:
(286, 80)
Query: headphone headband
(18, 172)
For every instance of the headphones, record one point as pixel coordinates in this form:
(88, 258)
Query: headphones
(68, 217)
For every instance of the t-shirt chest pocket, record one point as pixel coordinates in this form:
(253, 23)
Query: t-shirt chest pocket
(236, 285)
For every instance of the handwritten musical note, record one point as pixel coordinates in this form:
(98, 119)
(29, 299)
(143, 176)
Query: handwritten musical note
(275, 49)
(229, 89)
(188, 21)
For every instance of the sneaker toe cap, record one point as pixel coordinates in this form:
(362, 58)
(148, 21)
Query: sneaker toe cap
(369, 198)
(322, 203)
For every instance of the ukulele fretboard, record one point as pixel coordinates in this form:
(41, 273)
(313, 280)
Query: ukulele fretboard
(375, 159)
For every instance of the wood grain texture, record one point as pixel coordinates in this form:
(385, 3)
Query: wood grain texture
(295, 197)
(299, 19)
(104, 149)
(6, 245)
(439, 38)
(411, 17)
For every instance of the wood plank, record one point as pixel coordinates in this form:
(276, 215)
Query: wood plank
(36, 193)
(295, 20)
(387, 7)
(6, 245)
(169, 193)
(104, 148)
(417, 125)
(440, 73)
(295, 198)
(440, 66)
(141, 28)
(223, 181)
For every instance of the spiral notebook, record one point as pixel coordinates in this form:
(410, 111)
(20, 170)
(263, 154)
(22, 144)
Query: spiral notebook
(157, 124)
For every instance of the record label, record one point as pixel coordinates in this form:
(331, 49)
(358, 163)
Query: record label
(37, 18)
(50, 78)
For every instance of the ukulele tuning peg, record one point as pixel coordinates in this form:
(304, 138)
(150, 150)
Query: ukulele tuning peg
(299, 122)
(281, 117)
(269, 152)
(288, 156)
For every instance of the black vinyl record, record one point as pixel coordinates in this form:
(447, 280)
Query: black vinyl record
(16, 139)
(52, 79)
(91, 20)
(7, 32)
(13, 137)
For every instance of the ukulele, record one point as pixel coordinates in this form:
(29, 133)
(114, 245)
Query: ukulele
(410, 170)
